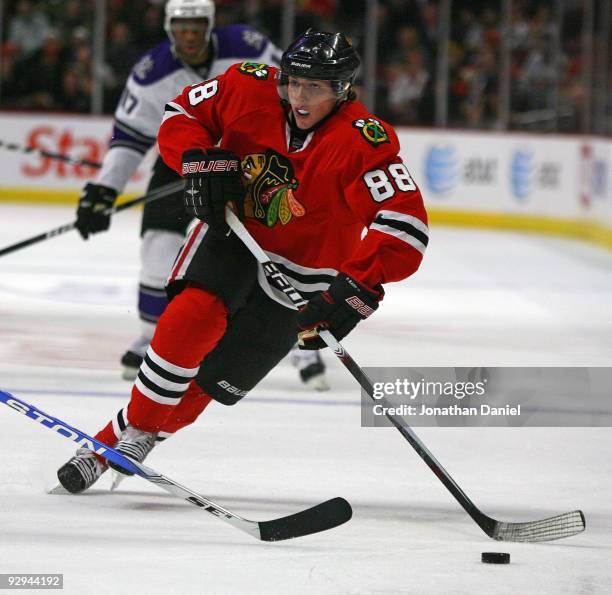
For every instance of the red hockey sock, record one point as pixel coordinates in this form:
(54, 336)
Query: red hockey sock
(189, 328)
(194, 401)
(107, 435)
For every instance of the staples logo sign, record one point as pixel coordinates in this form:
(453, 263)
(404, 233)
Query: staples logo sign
(68, 140)
(64, 142)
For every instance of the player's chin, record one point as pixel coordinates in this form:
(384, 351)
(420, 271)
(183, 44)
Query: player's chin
(304, 122)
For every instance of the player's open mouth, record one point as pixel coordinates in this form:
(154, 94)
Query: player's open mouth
(191, 49)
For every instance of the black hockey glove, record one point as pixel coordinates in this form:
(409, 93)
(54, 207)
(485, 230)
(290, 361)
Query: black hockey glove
(338, 310)
(90, 213)
(212, 179)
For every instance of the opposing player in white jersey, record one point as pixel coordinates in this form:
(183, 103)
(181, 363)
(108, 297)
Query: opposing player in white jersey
(195, 51)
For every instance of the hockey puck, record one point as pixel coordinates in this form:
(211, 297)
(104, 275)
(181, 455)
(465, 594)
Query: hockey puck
(495, 558)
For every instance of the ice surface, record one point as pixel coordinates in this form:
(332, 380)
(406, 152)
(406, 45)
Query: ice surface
(67, 313)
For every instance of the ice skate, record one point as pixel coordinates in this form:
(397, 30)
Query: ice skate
(135, 444)
(311, 368)
(132, 359)
(81, 471)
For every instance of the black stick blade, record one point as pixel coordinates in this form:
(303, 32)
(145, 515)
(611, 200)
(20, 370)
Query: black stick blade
(321, 517)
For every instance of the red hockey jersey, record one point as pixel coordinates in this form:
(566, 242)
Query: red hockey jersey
(308, 208)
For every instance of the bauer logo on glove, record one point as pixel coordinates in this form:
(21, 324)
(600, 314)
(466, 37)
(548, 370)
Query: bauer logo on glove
(362, 309)
(198, 167)
(338, 309)
(212, 180)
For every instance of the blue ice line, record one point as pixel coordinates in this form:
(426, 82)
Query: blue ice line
(284, 400)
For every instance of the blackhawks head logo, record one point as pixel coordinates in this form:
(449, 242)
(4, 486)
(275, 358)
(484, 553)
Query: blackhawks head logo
(372, 130)
(259, 71)
(270, 188)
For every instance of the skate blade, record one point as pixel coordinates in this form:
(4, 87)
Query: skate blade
(58, 489)
(318, 383)
(117, 479)
(129, 374)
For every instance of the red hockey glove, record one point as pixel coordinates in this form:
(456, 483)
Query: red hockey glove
(212, 179)
(338, 310)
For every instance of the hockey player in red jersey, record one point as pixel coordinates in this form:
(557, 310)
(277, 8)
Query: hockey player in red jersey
(307, 173)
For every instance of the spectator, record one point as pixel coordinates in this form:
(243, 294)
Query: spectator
(76, 93)
(406, 28)
(149, 30)
(407, 82)
(70, 15)
(28, 28)
(121, 54)
(467, 31)
(42, 90)
(8, 62)
(77, 77)
(520, 34)
(481, 107)
(406, 40)
(538, 76)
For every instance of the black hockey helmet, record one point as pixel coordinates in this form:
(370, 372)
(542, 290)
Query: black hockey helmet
(322, 56)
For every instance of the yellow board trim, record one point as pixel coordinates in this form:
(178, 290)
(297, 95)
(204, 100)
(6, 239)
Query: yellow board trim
(48, 197)
(571, 228)
(577, 229)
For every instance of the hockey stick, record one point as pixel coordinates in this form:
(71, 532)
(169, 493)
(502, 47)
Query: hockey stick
(557, 527)
(17, 148)
(323, 516)
(157, 193)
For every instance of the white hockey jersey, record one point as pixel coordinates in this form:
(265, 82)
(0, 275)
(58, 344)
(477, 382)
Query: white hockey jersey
(160, 76)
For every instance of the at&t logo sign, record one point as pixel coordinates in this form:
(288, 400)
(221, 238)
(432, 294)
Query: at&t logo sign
(441, 168)
(529, 175)
(522, 173)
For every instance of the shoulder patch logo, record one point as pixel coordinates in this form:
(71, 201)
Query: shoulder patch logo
(372, 130)
(259, 71)
(254, 38)
(142, 69)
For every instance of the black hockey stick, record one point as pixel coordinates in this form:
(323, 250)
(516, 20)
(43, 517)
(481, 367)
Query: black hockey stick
(157, 193)
(17, 148)
(323, 516)
(557, 527)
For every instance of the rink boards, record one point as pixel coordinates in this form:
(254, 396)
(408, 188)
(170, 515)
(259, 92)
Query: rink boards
(549, 184)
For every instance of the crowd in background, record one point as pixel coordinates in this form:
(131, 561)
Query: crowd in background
(46, 61)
